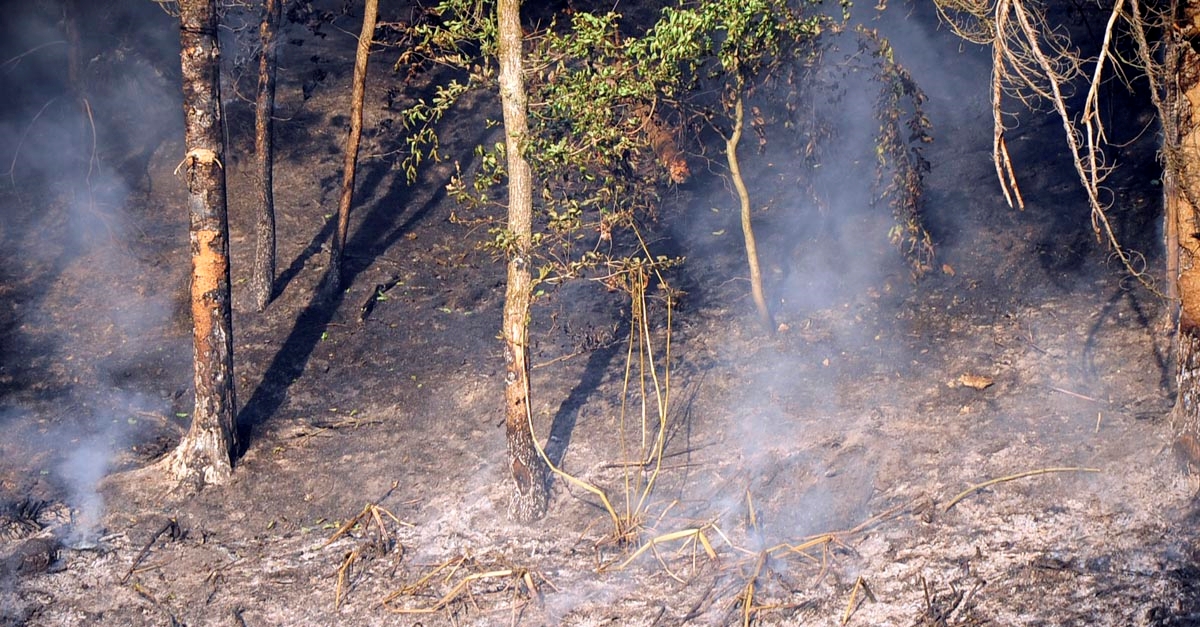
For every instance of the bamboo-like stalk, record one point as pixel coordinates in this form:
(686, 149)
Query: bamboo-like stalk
(739, 183)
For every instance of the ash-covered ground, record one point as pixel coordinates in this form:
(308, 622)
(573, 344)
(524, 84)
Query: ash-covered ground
(808, 477)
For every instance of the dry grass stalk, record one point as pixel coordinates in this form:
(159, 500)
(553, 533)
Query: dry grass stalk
(1078, 395)
(751, 595)
(747, 595)
(855, 602)
(372, 517)
(695, 534)
(452, 564)
(650, 377)
(343, 572)
(1021, 475)
(520, 580)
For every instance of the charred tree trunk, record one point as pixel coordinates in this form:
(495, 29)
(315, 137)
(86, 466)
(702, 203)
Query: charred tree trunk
(85, 140)
(529, 470)
(1182, 148)
(205, 454)
(71, 16)
(262, 278)
(739, 183)
(334, 274)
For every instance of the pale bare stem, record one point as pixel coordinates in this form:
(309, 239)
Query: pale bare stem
(1091, 103)
(625, 404)
(1057, 69)
(1012, 175)
(639, 296)
(1004, 169)
(660, 395)
(569, 478)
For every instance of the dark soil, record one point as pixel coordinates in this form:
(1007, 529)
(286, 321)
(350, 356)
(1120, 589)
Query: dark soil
(818, 464)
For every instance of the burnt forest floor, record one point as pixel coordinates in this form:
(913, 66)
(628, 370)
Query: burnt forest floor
(819, 464)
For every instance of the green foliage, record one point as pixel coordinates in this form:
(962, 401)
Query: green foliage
(738, 40)
(459, 34)
(604, 105)
(900, 167)
(421, 119)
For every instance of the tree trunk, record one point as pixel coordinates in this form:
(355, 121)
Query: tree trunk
(1182, 147)
(529, 470)
(739, 183)
(262, 278)
(205, 454)
(334, 274)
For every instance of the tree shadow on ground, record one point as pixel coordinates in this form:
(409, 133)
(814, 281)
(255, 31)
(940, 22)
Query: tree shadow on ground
(1145, 317)
(380, 228)
(568, 412)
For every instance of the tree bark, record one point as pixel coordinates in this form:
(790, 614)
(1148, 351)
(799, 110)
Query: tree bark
(262, 278)
(1182, 139)
(739, 183)
(334, 274)
(529, 471)
(204, 456)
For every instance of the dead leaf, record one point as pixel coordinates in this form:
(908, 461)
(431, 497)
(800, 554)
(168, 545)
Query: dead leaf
(976, 381)
(947, 269)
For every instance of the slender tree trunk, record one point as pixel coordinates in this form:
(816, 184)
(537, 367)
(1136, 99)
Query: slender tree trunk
(1182, 139)
(85, 140)
(529, 470)
(334, 276)
(205, 454)
(262, 278)
(739, 183)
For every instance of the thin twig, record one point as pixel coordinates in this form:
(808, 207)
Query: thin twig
(1021, 475)
(1077, 395)
(172, 526)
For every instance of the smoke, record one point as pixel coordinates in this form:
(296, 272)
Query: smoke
(82, 471)
(796, 452)
(86, 303)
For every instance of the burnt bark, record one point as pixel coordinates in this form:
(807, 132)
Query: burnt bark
(333, 278)
(262, 278)
(204, 455)
(70, 23)
(1181, 137)
(529, 471)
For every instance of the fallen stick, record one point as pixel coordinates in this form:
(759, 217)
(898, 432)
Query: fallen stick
(1078, 395)
(171, 526)
(1021, 475)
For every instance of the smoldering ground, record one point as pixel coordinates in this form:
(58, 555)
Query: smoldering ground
(759, 425)
(91, 364)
